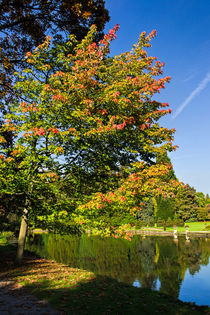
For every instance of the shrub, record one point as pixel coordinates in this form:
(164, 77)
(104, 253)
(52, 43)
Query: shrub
(169, 222)
(8, 235)
(160, 222)
(202, 214)
(207, 228)
(179, 222)
(138, 225)
(151, 222)
(143, 223)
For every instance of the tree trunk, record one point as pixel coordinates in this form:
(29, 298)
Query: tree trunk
(22, 236)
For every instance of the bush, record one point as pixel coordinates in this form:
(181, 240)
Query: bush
(143, 223)
(202, 214)
(151, 222)
(160, 222)
(179, 222)
(138, 225)
(207, 228)
(8, 235)
(169, 222)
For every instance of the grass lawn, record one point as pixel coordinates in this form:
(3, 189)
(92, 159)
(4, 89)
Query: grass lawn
(76, 291)
(193, 227)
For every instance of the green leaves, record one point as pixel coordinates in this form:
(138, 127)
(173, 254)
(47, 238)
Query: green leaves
(86, 118)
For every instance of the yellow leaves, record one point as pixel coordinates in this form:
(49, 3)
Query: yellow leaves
(18, 150)
(23, 164)
(86, 15)
(10, 159)
(77, 9)
(58, 150)
(49, 175)
(62, 213)
(9, 125)
(45, 67)
(2, 139)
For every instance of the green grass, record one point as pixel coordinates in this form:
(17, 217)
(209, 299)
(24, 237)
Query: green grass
(77, 291)
(193, 227)
(5, 236)
(3, 240)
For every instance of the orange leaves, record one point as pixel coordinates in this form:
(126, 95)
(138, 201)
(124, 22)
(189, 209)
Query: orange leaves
(148, 181)
(24, 107)
(9, 126)
(59, 97)
(2, 139)
(52, 175)
(58, 150)
(119, 126)
(102, 112)
(15, 152)
(49, 176)
(39, 131)
(9, 159)
(73, 130)
(153, 34)
(47, 87)
(144, 126)
(27, 135)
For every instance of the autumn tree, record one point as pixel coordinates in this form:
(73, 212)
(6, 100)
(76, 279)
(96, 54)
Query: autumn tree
(129, 199)
(24, 25)
(86, 121)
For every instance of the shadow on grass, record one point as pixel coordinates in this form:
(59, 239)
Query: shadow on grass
(75, 291)
(107, 296)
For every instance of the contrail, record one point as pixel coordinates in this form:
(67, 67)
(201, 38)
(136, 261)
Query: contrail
(193, 94)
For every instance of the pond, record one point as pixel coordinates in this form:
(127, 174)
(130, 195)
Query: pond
(176, 267)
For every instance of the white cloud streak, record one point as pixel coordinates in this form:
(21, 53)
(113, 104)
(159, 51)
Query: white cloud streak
(193, 94)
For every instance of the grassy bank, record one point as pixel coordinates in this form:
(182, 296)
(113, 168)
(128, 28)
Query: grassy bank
(192, 227)
(76, 291)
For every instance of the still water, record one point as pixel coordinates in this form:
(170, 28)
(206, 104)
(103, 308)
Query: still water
(180, 268)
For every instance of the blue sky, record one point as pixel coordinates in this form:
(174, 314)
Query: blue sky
(183, 43)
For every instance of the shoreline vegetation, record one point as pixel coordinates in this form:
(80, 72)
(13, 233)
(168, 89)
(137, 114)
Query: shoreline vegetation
(76, 291)
(197, 229)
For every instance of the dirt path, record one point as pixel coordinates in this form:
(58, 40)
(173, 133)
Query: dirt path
(14, 300)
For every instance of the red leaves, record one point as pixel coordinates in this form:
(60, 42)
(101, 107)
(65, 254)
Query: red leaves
(144, 126)
(39, 131)
(102, 111)
(59, 97)
(153, 34)
(52, 175)
(120, 126)
(54, 130)
(24, 107)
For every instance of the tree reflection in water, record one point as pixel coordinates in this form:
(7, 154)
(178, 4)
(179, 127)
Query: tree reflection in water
(153, 262)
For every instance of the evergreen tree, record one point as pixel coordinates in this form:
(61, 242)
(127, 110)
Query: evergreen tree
(186, 204)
